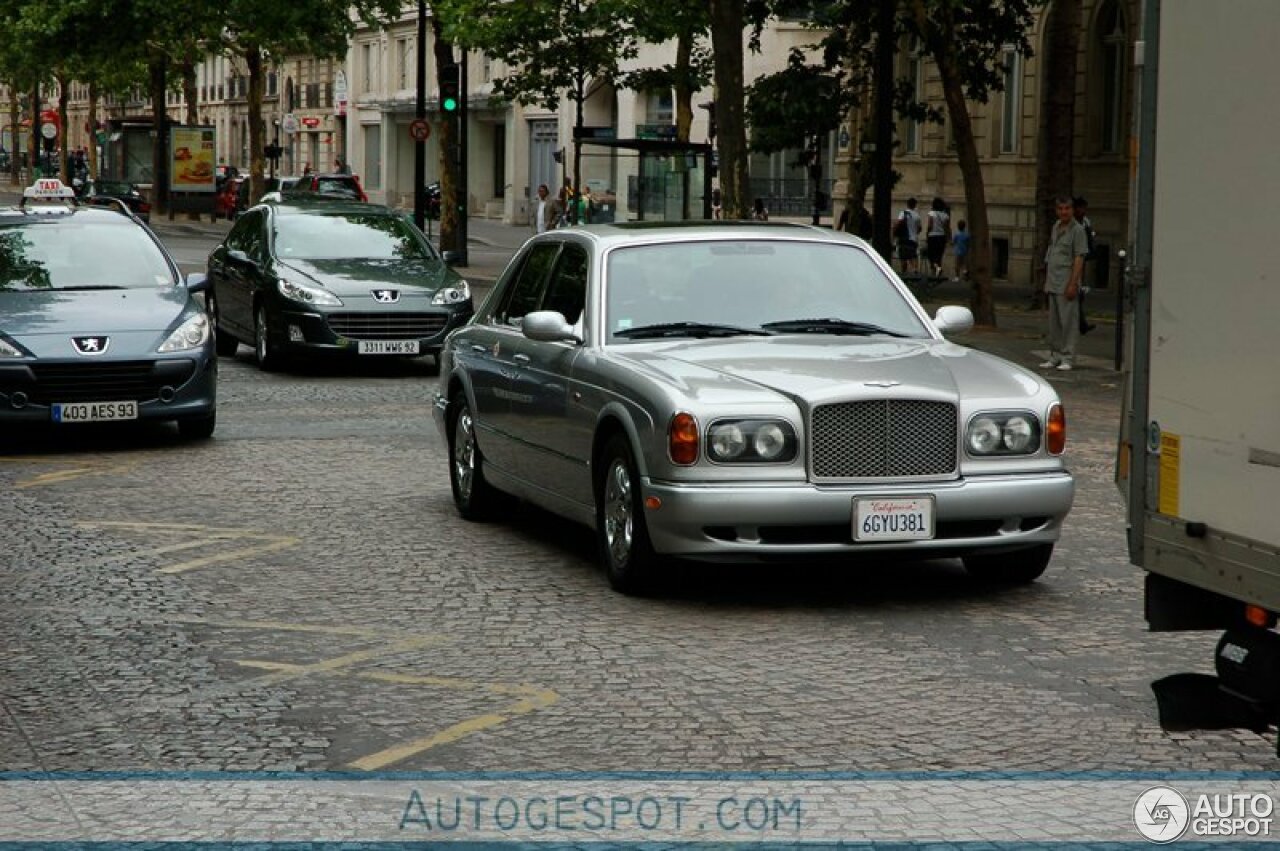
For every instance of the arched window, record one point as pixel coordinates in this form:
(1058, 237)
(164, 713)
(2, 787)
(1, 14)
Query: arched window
(1112, 42)
(912, 69)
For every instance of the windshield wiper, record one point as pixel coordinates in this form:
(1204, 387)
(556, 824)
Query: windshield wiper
(690, 329)
(830, 326)
(87, 287)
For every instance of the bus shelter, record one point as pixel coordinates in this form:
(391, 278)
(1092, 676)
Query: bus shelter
(670, 180)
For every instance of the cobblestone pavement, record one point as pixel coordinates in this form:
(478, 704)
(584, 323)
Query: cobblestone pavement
(298, 593)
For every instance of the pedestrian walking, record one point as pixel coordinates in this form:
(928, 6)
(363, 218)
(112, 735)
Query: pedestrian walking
(717, 204)
(1064, 268)
(907, 232)
(937, 235)
(759, 211)
(960, 246)
(546, 213)
(1080, 209)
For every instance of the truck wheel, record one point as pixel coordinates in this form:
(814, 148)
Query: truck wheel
(1019, 567)
(621, 533)
(475, 498)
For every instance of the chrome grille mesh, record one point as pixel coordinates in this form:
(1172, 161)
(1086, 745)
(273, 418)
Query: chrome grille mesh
(387, 326)
(883, 438)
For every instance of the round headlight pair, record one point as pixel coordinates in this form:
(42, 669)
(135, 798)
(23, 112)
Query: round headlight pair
(1003, 434)
(747, 440)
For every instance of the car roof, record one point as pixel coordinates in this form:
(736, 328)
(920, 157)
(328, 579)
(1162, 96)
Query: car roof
(688, 231)
(309, 205)
(52, 213)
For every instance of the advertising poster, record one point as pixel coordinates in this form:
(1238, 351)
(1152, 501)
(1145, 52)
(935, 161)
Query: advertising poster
(191, 159)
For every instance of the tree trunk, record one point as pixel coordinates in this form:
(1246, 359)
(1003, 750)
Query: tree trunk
(64, 95)
(445, 141)
(15, 116)
(93, 129)
(684, 86)
(1056, 146)
(190, 92)
(727, 23)
(257, 159)
(156, 70)
(580, 95)
(33, 148)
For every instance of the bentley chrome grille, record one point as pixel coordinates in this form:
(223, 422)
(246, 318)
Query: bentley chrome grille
(882, 438)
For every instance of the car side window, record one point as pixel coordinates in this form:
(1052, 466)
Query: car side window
(239, 235)
(567, 292)
(526, 290)
(253, 243)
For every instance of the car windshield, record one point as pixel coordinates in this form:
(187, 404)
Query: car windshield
(71, 252)
(779, 286)
(112, 187)
(372, 237)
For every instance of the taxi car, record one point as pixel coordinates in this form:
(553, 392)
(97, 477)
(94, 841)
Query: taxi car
(298, 277)
(747, 391)
(97, 324)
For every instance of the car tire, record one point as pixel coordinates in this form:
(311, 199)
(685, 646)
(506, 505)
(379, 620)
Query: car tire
(622, 534)
(475, 498)
(224, 343)
(198, 428)
(265, 352)
(1020, 567)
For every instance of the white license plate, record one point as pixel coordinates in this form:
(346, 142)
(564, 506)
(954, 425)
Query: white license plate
(907, 518)
(94, 412)
(387, 347)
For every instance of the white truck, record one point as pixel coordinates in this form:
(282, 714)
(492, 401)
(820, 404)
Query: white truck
(1199, 456)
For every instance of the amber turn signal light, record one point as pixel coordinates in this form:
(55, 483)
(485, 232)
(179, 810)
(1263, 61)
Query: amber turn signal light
(1056, 433)
(682, 439)
(1258, 616)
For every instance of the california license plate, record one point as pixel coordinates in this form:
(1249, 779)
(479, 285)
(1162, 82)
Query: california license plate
(387, 347)
(94, 412)
(907, 518)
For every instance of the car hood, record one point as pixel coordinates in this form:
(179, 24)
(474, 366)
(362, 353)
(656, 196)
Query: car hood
(357, 277)
(819, 368)
(39, 312)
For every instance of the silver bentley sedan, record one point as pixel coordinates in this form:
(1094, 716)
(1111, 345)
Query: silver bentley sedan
(746, 391)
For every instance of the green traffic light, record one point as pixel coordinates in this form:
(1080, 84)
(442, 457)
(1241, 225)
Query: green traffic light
(450, 105)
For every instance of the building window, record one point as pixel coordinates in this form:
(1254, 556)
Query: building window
(273, 84)
(909, 131)
(1010, 123)
(1111, 32)
(373, 156)
(499, 160)
(367, 68)
(660, 108)
(486, 68)
(403, 57)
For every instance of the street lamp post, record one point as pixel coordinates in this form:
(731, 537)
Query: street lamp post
(420, 112)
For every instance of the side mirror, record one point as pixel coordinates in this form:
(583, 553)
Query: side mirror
(548, 326)
(952, 319)
(197, 282)
(235, 255)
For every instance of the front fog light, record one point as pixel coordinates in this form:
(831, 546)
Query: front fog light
(726, 441)
(1018, 435)
(189, 335)
(984, 436)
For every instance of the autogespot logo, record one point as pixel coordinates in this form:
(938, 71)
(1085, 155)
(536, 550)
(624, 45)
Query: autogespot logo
(1161, 814)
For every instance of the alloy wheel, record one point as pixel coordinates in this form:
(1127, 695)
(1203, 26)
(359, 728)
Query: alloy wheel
(619, 525)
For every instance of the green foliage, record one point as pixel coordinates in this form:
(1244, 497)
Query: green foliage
(785, 109)
(548, 46)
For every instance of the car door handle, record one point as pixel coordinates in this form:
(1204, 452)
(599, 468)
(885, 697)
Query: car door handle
(520, 358)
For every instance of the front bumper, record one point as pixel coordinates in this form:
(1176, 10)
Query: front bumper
(297, 331)
(976, 515)
(159, 395)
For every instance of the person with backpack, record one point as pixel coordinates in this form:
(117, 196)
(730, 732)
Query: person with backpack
(906, 230)
(1080, 209)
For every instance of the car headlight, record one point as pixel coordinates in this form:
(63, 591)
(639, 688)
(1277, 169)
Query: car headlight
(1003, 434)
(306, 294)
(751, 441)
(189, 335)
(9, 350)
(455, 293)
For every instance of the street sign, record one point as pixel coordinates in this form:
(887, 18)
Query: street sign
(340, 93)
(289, 124)
(420, 130)
(310, 122)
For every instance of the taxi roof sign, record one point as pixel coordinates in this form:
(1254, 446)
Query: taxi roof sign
(48, 188)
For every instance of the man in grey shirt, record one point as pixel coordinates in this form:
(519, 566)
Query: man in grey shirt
(1064, 270)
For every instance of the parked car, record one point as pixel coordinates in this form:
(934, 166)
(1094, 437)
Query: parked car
(295, 278)
(333, 185)
(101, 193)
(747, 391)
(96, 322)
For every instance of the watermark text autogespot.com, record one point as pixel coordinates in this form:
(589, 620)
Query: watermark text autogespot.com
(601, 814)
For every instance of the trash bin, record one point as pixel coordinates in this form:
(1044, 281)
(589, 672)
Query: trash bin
(1101, 265)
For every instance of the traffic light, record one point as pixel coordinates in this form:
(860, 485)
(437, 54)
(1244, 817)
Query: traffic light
(450, 96)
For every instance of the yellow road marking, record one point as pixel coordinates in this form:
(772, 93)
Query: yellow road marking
(69, 468)
(281, 626)
(194, 564)
(209, 536)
